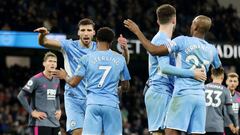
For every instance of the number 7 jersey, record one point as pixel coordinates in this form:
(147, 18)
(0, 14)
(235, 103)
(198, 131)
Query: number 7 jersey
(191, 53)
(102, 71)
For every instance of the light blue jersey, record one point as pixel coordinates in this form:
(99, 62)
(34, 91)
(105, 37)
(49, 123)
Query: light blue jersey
(161, 82)
(161, 78)
(191, 53)
(74, 98)
(103, 70)
(187, 110)
(72, 50)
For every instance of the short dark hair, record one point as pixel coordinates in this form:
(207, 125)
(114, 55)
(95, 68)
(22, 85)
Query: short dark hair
(165, 12)
(217, 72)
(49, 54)
(105, 34)
(86, 21)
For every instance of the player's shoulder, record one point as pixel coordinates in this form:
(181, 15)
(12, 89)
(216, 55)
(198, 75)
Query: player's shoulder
(215, 86)
(180, 38)
(212, 46)
(38, 76)
(209, 85)
(160, 38)
(237, 93)
(35, 78)
(68, 41)
(116, 53)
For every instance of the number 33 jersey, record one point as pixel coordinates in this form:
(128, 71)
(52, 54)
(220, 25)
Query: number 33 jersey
(217, 96)
(192, 53)
(102, 71)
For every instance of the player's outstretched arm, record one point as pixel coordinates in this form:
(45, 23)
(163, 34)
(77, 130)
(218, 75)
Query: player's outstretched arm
(151, 48)
(22, 97)
(198, 74)
(123, 43)
(48, 43)
(62, 74)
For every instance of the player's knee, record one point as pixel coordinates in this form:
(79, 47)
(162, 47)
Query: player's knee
(77, 131)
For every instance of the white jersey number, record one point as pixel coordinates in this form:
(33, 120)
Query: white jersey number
(210, 101)
(106, 71)
(196, 62)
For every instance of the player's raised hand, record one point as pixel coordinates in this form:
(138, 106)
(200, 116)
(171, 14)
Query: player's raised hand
(58, 114)
(42, 30)
(200, 74)
(122, 42)
(131, 25)
(39, 115)
(61, 74)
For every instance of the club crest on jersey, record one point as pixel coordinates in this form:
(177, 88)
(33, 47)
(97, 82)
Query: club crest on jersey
(51, 94)
(73, 123)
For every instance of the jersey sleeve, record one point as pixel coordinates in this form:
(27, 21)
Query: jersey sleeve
(228, 97)
(82, 66)
(58, 107)
(22, 97)
(31, 85)
(125, 73)
(58, 88)
(65, 44)
(216, 60)
(166, 68)
(174, 46)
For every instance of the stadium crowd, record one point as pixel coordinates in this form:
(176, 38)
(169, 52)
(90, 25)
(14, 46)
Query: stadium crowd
(13, 117)
(63, 16)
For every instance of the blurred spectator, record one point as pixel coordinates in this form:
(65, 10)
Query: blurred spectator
(13, 118)
(64, 15)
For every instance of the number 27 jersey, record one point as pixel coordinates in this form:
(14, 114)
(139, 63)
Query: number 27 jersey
(191, 53)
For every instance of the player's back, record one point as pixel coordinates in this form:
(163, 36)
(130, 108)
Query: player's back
(192, 53)
(72, 50)
(217, 96)
(161, 82)
(103, 72)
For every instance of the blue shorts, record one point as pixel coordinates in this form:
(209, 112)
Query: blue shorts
(102, 117)
(75, 111)
(156, 107)
(187, 113)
